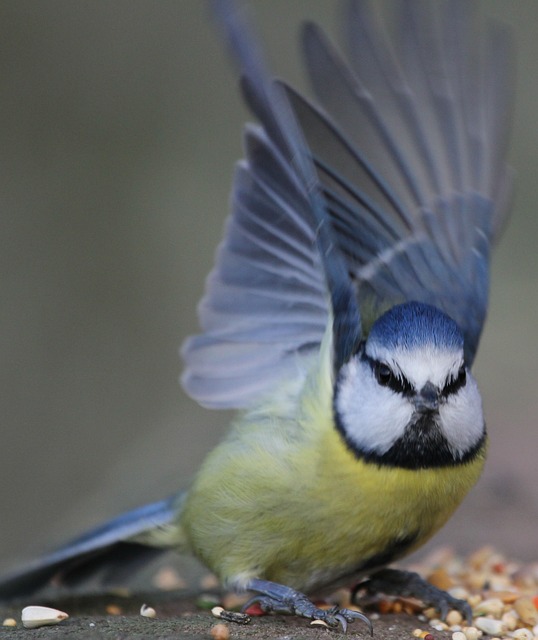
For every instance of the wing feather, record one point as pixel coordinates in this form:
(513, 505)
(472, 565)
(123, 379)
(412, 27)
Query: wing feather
(396, 179)
(266, 298)
(424, 111)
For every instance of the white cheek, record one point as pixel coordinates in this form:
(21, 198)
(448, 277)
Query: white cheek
(462, 418)
(372, 416)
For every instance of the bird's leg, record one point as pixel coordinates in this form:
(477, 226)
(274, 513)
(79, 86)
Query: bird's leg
(409, 584)
(272, 596)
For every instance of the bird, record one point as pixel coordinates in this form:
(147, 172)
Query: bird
(342, 316)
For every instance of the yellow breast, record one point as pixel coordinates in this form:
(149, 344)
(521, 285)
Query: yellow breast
(283, 498)
(305, 511)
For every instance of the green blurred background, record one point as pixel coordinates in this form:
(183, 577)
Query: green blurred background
(120, 125)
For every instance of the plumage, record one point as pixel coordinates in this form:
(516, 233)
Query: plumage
(283, 460)
(344, 311)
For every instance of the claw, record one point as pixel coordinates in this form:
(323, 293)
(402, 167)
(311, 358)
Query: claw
(465, 608)
(335, 617)
(342, 621)
(350, 616)
(443, 609)
(280, 599)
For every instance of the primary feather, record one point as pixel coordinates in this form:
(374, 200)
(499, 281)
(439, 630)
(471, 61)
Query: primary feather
(402, 158)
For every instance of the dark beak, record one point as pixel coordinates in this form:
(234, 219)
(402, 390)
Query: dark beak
(427, 399)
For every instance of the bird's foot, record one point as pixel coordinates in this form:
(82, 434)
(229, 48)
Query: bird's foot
(274, 597)
(409, 584)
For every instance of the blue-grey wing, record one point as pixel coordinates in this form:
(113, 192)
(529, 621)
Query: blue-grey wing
(265, 300)
(409, 140)
(403, 154)
(278, 272)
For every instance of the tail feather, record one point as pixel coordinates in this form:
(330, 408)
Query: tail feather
(115, 549)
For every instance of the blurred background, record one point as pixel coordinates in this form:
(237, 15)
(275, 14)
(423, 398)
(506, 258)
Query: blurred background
(120, 125)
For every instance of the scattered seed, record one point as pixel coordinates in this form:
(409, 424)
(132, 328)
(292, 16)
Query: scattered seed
(472, 633)
(35, 616)
(438, 625)
(502, 593)
(385, 606)
(453, 617)
(490, 626)
(522, 634)
(510, 620)
(113, 610)
(9, 622)
(319, 623)
(508, 597)
(492, 606)
(220, 631)
(147, 612)
(526, 610)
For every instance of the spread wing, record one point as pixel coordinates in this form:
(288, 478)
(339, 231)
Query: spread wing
(410, 143)
(279, 272)
(265, 300)
(392, 187)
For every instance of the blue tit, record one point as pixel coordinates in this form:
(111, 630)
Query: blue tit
(343, 315)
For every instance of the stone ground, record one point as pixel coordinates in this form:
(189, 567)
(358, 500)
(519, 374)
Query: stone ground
(181, 619)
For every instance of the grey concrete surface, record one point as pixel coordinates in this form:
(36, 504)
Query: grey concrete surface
(120, 124)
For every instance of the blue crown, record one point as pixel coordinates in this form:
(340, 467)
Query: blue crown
(414, 324)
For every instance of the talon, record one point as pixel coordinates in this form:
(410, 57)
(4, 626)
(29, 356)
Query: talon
(275, 597)
(351, 616)
(361, 616)
(341, 619)
(467, 612)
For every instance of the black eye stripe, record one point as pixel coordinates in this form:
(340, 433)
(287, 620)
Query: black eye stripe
(454, 385)
(400, 384)
(386, 377)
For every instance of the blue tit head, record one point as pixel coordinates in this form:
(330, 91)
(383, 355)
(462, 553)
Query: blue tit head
(407, 398)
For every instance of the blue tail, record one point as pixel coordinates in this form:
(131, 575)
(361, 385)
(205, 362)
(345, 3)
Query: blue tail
(119, 545)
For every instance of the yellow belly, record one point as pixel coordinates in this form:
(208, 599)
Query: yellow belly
(282, 497)
(305, 512)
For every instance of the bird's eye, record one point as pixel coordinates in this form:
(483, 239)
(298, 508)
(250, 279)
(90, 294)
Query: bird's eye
(386, 377)
(383, 374)
(456, 383)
